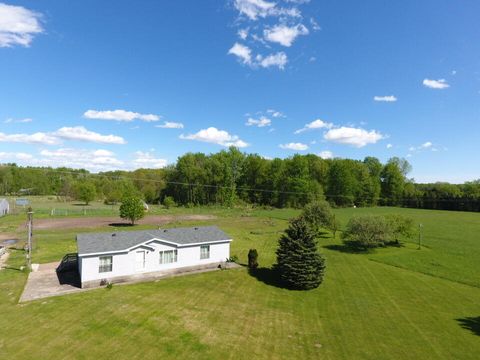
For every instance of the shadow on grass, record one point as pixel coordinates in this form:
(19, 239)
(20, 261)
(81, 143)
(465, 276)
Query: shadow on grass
(471, 323)
(352, 248)
(344, 248)
(12, 268)
(121, 224)
(268, 276)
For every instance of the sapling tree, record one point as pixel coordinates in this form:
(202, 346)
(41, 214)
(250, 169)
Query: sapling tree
(132, 208)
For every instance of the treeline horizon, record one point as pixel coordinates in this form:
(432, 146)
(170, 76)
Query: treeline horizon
(230, 177)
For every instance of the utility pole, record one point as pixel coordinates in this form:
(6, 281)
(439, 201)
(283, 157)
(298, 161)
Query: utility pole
(29, 249)
(420, 227)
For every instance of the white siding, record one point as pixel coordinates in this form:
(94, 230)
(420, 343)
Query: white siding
(124, 263)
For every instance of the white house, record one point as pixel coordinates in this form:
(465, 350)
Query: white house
(4, 207)
(122, 256)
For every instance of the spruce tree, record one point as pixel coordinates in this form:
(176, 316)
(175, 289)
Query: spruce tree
(298, 261)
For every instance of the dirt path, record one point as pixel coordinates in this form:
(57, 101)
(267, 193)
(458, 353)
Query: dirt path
(91, 222)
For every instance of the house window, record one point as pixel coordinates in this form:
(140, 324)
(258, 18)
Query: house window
(205, 252)
(168, 256)
(105, 265)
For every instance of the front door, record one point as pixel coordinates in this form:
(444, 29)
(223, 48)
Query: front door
(140, 260)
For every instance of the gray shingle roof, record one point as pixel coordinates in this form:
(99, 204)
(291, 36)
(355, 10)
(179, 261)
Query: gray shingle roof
(90, 243)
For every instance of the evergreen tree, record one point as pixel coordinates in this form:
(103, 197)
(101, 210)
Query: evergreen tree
(298, 261)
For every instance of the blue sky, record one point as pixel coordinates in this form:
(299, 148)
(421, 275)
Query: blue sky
(128, 84)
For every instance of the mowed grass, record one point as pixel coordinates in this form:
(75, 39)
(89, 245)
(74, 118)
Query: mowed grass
(365, 309)
(450, 243)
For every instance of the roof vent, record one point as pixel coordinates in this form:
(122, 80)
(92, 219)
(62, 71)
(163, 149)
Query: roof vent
(196, 228)
(165, 230)
(114, 234)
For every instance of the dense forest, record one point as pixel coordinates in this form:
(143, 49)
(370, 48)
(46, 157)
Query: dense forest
(231, 177)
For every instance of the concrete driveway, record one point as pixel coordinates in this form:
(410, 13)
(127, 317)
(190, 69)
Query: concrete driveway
(45, 283)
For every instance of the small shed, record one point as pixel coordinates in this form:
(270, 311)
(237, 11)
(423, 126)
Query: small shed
(4, 207)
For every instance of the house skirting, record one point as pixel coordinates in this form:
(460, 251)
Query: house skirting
(148, 276)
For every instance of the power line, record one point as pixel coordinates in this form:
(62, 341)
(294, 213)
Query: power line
(241, 188)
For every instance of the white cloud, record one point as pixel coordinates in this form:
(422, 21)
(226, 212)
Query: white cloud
(284, 29)
(279, 59)
(283, 34)
(119, 115)
(148, 160)
(243, 33)
(353, 136)
(326, 154)
(454, 72)
(428, 145)
(275, 113)
(294, 146)
(20, 121)
(103, 152)
(170, 125)
(65, 133)
(315, 25)
(94, 160)
(18, 25)
(254, 9)
(389, 98)
(316, 124)
(262, 122)
(15, 156)
(215, 136)
(436, 84)
(389, 146)
(79, 133)
(242, 52)
(36, 138)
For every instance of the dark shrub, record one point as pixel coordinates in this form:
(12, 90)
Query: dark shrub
(252, 259)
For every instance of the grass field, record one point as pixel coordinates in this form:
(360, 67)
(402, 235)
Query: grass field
(396, 303)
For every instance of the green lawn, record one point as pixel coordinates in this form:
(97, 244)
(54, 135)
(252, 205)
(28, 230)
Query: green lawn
(391, 304)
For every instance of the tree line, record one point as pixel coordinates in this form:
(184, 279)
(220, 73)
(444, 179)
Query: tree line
(230, 177)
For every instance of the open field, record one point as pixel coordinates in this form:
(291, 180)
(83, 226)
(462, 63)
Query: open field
(396, 303)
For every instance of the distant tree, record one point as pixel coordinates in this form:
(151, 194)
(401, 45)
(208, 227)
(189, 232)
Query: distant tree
(86, 192)
(132, 208)
(400, 227)
(368, 231)
(252, 259)
(299, 263)
(318, 215)
(168, 202)
(341, 183)
(393, 180)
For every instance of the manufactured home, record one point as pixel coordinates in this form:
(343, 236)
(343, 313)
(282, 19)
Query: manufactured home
(126, 255)
(4, 207)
